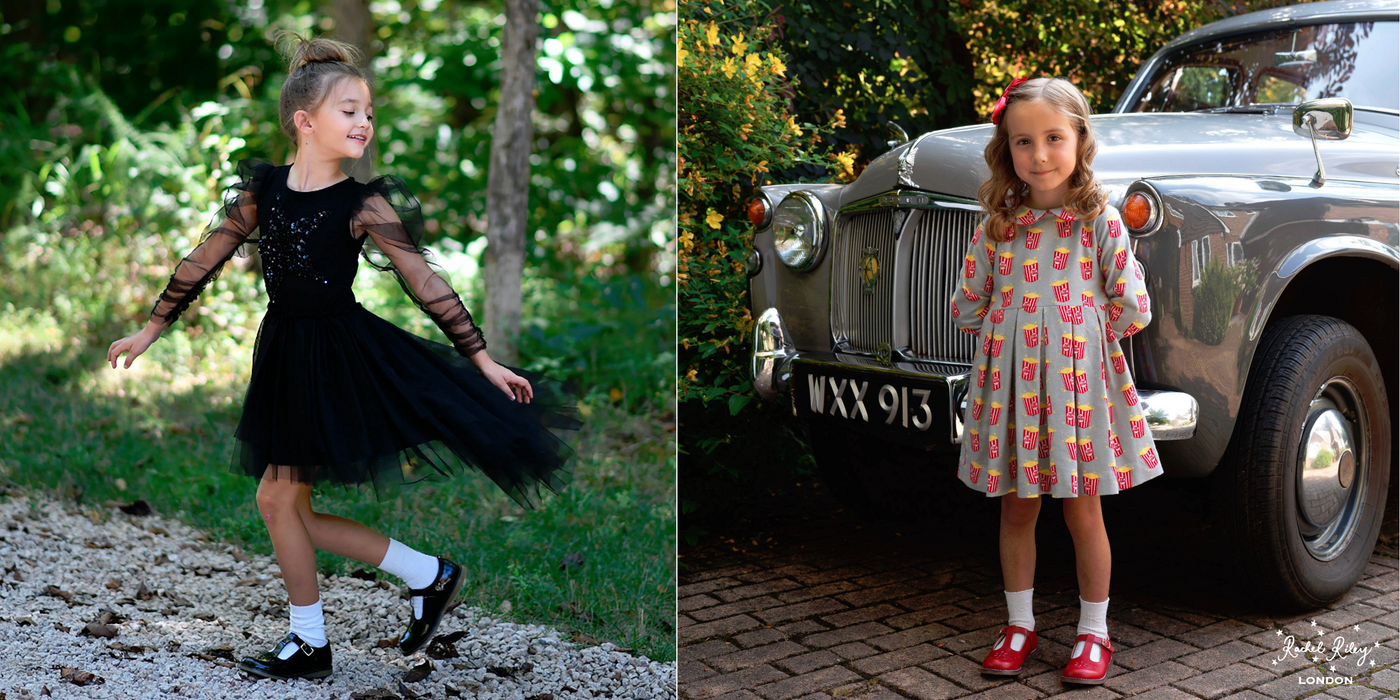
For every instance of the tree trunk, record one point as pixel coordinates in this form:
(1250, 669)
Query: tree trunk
(355, 25)
(508, 180)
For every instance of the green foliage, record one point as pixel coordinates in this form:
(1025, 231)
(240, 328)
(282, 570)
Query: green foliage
(863, 65)
(1097, 45)
(733, 130)
(1323, 458)
(602, 166)
(616, 337)
(1215, 299)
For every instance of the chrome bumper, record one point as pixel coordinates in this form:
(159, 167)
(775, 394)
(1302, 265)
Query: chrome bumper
(1172, 415)
(771, 364)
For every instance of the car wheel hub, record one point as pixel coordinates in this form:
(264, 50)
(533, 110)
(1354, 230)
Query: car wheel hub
(1331, 470)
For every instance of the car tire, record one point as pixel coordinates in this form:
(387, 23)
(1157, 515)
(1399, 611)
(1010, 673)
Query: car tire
(888, 482)
(1308, 371)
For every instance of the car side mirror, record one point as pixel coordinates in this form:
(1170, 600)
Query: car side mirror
(1328, 118)
(895, 135)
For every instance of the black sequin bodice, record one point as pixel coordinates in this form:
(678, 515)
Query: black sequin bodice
(309, 257)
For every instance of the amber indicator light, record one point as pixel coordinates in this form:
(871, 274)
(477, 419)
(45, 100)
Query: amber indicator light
(758, 211)
(1137, 211)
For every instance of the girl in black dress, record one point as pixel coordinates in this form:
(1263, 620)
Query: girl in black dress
(338, 394)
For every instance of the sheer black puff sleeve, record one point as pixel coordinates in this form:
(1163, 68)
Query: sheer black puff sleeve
(227, 234)
(391, 216)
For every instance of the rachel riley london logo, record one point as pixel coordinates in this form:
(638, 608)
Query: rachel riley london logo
(1338, 653)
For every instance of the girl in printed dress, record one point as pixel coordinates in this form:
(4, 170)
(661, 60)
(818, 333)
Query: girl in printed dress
(1050, 285)
(338, 395)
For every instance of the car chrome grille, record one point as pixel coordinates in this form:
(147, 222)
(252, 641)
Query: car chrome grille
(940, 241)
(861, 321)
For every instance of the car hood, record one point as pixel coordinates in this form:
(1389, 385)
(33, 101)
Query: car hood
(1139, 145)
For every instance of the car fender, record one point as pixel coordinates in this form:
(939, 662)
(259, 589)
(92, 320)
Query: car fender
(1283, 225)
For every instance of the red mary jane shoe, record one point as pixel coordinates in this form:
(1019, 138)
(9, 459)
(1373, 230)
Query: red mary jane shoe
(1083, 669)
(1002, 660)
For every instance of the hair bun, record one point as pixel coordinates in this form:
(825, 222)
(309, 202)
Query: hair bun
(305, 51)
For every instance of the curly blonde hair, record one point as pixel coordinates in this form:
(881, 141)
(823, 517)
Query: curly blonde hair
(1004, 191)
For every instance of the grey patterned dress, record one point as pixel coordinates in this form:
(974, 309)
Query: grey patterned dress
(1051, 408)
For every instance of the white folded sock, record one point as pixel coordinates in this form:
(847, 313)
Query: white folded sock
(1093, 619)
(309, 623)
(1018, 608)
(417, 569)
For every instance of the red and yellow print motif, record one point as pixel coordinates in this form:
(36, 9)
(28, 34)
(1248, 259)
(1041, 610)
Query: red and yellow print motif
(1005, 261)
(1032, 472)
(1091, 484)
(1023, 423)
(1124, 475)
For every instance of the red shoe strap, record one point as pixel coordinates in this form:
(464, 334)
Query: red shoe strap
(1095, 639)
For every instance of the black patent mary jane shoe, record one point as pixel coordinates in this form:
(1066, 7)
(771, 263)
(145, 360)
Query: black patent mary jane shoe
(436, 597)
(307, 662)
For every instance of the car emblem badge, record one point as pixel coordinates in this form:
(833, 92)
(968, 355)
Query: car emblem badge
(882, 353)
(869, 269)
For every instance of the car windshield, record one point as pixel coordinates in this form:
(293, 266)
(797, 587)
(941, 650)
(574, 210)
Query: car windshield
(1354, 60)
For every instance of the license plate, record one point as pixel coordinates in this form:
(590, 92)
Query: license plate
(871, 401)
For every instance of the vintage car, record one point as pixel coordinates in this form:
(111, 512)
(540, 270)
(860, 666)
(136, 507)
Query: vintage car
(1254, 161)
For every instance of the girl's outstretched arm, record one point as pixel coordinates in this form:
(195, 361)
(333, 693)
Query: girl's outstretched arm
(1129, 309)
(972, 300)
(206, 261)
(407, 258)
(229, 230)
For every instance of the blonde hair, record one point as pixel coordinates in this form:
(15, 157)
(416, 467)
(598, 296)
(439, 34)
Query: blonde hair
(1004, 191)
(314, 66)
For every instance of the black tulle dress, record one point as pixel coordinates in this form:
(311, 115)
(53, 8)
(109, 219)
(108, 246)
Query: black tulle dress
(342, 396)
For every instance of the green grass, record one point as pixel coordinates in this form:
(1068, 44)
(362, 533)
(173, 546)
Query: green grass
(162, 431)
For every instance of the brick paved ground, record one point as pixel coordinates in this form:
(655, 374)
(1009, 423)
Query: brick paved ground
(811, 603)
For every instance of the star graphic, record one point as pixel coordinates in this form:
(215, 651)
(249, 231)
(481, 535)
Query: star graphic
(1332, 667)
(1356, 627)
(1275, 662)
(1314, 623)
(1278, 632)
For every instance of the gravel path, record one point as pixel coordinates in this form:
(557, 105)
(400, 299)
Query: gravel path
(142, 606)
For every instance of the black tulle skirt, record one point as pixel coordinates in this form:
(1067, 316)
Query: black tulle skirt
(338, 395)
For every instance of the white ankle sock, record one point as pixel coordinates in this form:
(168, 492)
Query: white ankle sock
(309, 623)
(417, 569)
(1093, 619)
(1018, 608)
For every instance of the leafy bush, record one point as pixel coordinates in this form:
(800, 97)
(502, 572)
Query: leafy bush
(1098, 46)
(1215, 298)
(734, 131)
(863, 65)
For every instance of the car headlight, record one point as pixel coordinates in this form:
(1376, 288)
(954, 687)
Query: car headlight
(799, 230)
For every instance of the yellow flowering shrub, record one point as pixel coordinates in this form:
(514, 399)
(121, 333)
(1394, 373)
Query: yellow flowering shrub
(734, 130)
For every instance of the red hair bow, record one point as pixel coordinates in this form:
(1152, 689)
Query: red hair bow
(1001, 101)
